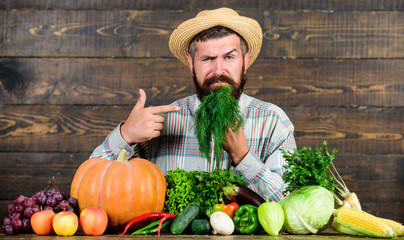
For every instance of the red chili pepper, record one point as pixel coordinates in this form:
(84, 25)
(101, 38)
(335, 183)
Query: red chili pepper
(142, 218)
(169, 215)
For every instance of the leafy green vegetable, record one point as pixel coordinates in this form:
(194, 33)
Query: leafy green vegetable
(218, 112)
(186, 187)
(307, 167)
(307, 210)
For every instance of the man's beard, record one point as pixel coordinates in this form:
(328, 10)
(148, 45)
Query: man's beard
(218, 112)
(204, 90)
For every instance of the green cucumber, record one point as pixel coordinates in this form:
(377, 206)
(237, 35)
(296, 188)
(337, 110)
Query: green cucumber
(200, 226)
(184, 218)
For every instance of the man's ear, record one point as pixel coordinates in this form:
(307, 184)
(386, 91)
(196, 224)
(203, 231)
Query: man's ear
(190, 62)
(246, 60)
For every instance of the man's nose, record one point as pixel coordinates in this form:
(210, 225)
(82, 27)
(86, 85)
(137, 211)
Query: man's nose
(219, 67)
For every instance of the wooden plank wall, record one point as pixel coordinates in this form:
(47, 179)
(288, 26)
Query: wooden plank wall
(70, 72)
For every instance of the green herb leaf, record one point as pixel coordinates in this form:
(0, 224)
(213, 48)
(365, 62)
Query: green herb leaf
(186, 187)
(307, 167)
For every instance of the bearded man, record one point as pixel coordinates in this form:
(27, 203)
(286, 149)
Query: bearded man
(218, 46)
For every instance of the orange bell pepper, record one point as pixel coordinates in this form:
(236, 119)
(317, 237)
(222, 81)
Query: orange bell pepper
(229, 209)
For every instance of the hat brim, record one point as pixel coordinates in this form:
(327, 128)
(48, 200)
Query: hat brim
(248, 28)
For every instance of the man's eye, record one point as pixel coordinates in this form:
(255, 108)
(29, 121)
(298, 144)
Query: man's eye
(229, 57)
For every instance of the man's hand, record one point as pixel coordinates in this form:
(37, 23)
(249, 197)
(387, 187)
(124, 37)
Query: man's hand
(143, 123)
(236, 145)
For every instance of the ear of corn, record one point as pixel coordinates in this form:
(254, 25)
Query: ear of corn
(397, 227)
(342, 229)
(364, 223)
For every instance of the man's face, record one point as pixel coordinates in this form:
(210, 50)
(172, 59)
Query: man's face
(219, 60)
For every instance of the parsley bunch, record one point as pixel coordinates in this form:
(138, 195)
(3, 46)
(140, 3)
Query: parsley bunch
(186, 187)
(307, 167)
(317, 168)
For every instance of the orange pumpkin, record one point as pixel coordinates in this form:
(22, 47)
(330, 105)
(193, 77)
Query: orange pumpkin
(124, 189)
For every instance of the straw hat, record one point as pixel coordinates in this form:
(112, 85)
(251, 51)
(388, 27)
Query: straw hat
(248, 28)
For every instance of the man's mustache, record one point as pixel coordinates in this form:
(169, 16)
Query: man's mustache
(218, 78)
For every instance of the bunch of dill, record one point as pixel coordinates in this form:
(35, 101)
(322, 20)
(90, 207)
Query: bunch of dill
(218, 112)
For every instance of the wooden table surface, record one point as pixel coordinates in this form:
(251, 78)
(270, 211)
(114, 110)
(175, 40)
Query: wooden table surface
(179, 237)
(328, 234)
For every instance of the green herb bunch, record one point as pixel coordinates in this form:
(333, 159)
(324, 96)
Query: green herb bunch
(186, 187)
(314, 168)
(218, 112)
(307, 167)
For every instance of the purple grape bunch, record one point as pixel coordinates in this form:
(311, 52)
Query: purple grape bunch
(20, 211)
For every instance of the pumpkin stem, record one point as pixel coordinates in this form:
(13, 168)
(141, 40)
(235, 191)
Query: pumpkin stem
(121, 156)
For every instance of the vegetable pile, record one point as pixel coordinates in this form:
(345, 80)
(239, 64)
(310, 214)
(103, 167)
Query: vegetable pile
(186, 187)
(219, 202)
(307, 167)
(307, 210)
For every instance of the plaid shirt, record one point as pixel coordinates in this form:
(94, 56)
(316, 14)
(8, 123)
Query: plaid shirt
(266, 127)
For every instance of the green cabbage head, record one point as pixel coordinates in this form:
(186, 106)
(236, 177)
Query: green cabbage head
(307, 210)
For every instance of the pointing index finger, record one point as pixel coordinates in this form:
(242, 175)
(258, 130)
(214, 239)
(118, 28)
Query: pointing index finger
(164, 109)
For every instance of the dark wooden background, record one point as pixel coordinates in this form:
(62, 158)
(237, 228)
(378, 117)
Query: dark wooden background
(70, 72)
